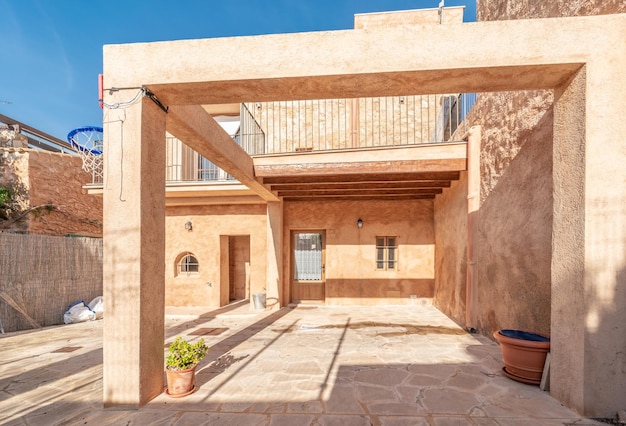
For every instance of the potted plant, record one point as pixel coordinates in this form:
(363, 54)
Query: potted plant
(180, 366)
(524, 354)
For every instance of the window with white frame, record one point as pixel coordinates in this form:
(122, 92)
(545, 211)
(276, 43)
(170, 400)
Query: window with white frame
(386, 253)
(188, 265)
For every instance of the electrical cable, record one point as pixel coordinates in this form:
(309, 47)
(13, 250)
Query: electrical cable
(140, 91)
(118, 105)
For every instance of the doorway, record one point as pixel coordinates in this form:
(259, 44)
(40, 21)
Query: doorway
(238, 267)
(308, 281)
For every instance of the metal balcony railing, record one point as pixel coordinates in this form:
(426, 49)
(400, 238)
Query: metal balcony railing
(184, 164)
(329, 124)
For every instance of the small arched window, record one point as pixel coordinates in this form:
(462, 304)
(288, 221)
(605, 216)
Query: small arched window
(188, 264)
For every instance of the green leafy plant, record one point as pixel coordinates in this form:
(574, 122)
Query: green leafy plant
(6, 202)
(183, 355)
(5, 197)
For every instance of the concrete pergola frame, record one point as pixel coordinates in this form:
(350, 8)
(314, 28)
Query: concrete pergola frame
(583, 59)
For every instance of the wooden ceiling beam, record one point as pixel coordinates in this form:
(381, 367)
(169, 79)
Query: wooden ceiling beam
(350, 193)
(362, 185)
(362, 198)
(363, 178)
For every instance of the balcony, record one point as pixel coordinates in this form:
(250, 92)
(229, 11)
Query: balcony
(333, 124)
(265, 129)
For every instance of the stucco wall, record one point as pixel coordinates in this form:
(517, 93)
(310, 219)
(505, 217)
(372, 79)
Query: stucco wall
(514, 240)
(512, 243)
(351, 275)
(210, 286)
(513, 246)
(451, 250)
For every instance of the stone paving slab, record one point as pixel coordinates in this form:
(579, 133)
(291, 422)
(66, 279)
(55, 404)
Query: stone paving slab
(323, 366)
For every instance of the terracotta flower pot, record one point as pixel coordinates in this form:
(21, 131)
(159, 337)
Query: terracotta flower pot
(181, 382)
(524, 354)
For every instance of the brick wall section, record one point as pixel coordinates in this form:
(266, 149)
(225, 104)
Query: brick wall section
(45, 178)
(58, 179)
(489, 10)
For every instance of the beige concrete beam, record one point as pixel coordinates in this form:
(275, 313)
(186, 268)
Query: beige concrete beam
(198, 130)
(439, 151)
(426, 158)
(212, 200)
(364, 168)
(498, 55)
(207, 189)
(457, 80)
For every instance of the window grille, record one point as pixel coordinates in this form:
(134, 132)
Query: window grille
(308, 257)
(188, 265)
(386, 253)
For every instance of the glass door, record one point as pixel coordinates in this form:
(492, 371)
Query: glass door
(307, 260)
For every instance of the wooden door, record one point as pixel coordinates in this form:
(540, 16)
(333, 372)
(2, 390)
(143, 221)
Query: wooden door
(308, 252)
(238, 258)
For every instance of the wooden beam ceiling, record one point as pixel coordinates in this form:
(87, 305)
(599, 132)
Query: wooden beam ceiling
(364, 177)
(362, 187)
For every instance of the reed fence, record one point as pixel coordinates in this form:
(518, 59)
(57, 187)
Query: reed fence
(41, 275)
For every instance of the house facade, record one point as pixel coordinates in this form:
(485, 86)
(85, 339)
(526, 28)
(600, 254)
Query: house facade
(307, 216)
(361, 237)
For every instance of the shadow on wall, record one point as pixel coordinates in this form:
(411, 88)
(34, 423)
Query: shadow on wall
(605, 322)
(514, 240)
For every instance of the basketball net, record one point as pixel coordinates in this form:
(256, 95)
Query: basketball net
(88, 143)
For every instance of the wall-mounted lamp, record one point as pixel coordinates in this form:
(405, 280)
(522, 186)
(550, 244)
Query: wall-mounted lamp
(401, 99)
(258, 104)
(359, 223)
(188, 225)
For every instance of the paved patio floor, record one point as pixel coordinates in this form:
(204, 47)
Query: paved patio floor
(347, 366)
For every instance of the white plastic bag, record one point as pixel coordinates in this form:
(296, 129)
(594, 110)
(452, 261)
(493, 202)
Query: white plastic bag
(97, 306)
(78, 312)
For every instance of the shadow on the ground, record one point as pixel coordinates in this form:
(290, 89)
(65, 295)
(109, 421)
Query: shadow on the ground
(209, 315)
(220, 359)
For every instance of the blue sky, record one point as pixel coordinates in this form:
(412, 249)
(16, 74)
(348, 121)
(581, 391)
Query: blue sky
(51, 50)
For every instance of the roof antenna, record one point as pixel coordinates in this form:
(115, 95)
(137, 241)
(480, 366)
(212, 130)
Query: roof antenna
(441, 11)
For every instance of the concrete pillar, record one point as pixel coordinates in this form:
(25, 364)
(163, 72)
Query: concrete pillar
(134, 252)
(568, 245)
(274, 289)
(588, 325)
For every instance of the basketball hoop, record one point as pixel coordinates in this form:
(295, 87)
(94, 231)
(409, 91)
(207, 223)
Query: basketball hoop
(88, 144)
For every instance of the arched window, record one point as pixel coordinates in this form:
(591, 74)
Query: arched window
(188, 264)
